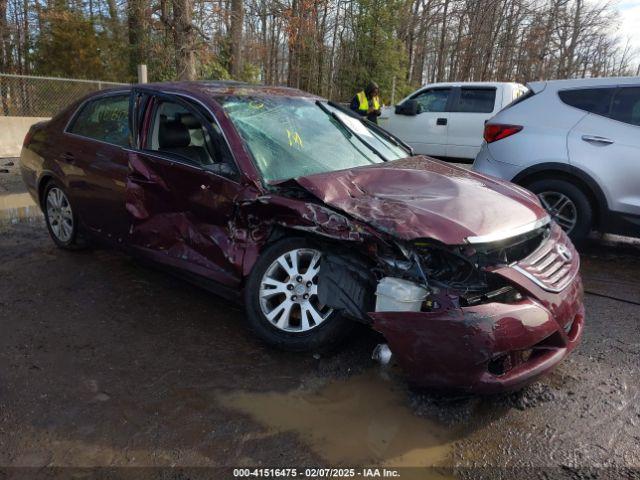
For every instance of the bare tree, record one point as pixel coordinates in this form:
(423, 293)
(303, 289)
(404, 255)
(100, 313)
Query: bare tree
(237, 18)
(178, 19)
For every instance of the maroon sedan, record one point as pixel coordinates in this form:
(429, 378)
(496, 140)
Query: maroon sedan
(314, 219)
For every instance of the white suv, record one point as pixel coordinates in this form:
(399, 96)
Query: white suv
(446, 119)
(576, 144)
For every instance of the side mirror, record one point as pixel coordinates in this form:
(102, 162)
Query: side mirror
(410, 107)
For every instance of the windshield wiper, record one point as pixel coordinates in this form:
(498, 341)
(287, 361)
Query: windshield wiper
(345, 126)
(396, 141)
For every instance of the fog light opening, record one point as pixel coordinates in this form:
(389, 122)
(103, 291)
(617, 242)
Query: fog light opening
(382, 354)
(505, 363)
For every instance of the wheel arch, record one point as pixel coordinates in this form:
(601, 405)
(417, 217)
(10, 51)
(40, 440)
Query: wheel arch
(43, 181)
(274, 218)
(572, 174)
(279, 232)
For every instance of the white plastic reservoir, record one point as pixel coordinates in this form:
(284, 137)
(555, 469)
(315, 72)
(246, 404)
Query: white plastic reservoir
(398, 295)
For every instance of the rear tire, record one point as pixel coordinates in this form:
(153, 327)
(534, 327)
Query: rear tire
(567, 204)
(61, 219)
(281, 299)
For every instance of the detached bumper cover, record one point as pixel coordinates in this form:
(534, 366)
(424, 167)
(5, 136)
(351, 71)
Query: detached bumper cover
(492, 347)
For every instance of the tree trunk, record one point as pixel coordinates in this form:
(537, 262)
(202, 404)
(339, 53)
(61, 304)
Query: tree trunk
(183, 39)
(237, 20)
(137, 34)
(443, 32)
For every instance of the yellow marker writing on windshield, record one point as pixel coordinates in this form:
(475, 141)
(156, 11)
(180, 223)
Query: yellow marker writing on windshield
(294, 139)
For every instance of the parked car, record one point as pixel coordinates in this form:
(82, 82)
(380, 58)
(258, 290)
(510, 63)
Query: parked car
(446, 120)
(313, 218)
(576, 144)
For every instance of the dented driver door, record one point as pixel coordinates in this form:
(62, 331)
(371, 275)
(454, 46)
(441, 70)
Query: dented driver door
(180, 201)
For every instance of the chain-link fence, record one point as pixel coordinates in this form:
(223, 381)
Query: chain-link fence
(29, 96)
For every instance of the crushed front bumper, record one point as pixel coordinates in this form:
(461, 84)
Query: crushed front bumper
(492, 347)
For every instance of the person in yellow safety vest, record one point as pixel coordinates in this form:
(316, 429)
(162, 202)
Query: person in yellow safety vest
(367, 103)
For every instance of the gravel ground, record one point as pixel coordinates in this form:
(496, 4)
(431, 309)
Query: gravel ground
(10, 180)
(105, 362)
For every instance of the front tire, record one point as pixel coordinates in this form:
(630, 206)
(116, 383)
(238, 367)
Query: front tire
(567, 204)
(281, 299)
(60, 217)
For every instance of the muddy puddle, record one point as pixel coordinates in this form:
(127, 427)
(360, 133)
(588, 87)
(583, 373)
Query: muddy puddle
(359, 421)
(18, 208)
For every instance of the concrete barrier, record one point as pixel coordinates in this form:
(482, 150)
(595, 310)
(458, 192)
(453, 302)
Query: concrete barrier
(12, 132)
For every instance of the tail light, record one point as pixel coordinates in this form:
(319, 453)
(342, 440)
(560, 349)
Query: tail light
(497, 131)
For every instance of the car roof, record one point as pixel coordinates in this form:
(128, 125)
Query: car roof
(469, 84)
(582, 82)
(227, 87)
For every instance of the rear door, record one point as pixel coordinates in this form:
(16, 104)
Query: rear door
(470, 109)
(606, 143)
(426, 132)
(95, 163)
(181, 189)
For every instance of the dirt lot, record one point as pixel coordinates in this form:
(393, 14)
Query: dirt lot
(105, 362)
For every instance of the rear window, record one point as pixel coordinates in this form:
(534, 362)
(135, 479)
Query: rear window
(626, 106)
(592, 100)
(476, 100)
(105, 119)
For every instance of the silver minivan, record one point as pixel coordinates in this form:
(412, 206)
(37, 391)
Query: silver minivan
(576, 144)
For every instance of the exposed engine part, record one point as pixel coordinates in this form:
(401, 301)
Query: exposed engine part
(382, 354)
(464, 271)
(507, 252)
(398, 295)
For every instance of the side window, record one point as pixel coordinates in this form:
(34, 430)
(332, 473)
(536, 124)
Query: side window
(626, 105)
(432, 100)
(179, 131)
(592, 100)
(105, 119)
(476, 100)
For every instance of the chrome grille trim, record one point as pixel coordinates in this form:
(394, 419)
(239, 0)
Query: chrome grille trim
(505, 234)
(556, 289)
(547, 268)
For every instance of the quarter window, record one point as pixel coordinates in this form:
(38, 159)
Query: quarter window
(476, 100)
(433, 100)
(592, 100)
(105, 119)
(626, 106)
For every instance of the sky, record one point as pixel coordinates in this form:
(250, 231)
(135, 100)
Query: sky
(630, 21)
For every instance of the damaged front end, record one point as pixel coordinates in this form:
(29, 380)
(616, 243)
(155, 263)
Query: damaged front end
(484, 316)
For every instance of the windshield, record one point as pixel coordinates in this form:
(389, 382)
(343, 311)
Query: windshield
(294, 137)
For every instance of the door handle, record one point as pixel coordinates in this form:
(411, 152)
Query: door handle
(141, 180)
(441, 121)
(596, 140)
(68, 157)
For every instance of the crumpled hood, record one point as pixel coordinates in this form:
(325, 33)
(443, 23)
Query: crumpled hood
(419, 197)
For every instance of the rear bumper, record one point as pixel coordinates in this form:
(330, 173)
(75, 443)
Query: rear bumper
(488, 348)
(486, 164)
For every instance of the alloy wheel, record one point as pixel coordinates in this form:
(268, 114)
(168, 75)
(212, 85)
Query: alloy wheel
(289, 292)
(59, 214)
(561, 208)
